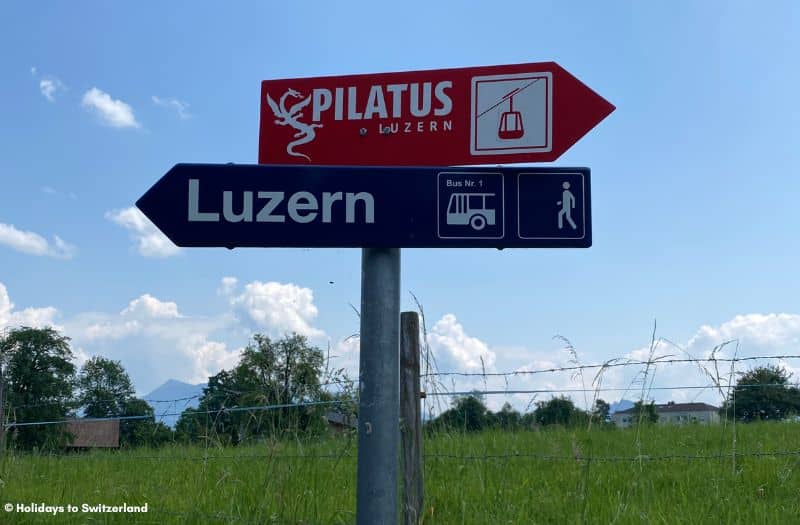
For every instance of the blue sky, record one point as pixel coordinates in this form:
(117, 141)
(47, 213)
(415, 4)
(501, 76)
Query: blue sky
(693, 179)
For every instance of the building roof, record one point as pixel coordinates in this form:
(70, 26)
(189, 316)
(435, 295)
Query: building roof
(344, 420)
(94, 433)
(676, 407)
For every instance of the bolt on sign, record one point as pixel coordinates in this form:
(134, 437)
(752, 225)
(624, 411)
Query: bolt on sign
(480, 115)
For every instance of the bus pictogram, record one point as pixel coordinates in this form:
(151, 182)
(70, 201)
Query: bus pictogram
(470, 209)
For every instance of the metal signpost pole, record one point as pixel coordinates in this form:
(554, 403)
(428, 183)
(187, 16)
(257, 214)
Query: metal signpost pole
(379, 377)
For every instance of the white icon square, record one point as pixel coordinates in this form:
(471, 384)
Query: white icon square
(511, 114)
(558, 214)
(470, 209)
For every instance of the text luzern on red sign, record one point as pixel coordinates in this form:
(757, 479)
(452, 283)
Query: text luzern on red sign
(480, 115)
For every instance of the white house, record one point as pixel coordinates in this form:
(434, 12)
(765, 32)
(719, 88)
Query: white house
(672, 414)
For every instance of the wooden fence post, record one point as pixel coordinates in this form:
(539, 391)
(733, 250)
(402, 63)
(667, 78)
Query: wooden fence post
(411, 418)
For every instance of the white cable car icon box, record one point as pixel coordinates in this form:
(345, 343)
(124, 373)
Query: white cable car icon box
(511, 114)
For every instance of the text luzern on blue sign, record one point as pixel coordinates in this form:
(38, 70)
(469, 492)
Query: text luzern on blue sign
(230, 205)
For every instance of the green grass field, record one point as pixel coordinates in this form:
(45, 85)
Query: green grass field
(469, 479)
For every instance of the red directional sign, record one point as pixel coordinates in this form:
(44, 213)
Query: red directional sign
(480, 115)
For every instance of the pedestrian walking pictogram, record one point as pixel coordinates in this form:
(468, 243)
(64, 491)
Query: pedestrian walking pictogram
(567, 204)
(553, 205)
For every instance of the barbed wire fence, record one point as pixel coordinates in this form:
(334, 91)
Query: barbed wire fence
(435, 388)
(441, 387)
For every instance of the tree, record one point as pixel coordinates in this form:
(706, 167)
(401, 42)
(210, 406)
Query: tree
(507, 418)
(644, 413)
(601, 410)
(468, 413)
(5, 355)
(39, 379)
(211, 419)
(528, 421)
(763, 393)
(144, 430)
(104, 387)
(558, 411)
(189, 427)
(279, 373)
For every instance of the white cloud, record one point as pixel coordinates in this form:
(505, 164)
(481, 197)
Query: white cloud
(278, 307)
(34, 244)
(148, 306)
(114, 113)
(49, 87)
(80, 356)
(62, 248)
(35, 317)
(104, 329)
(179, 106)
(228, 285)
(747, 335)
(150, 337)
(207, 357)
(155, 342)
(758, 332)
(456, 350)
(344, 354)
(150, 242)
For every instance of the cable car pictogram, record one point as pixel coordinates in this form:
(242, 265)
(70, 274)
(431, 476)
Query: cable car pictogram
(511, 126)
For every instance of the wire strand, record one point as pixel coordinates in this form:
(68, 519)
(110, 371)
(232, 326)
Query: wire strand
(607, 365)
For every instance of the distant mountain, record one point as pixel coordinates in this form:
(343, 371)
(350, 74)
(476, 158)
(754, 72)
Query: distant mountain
(172, 398)
(619, 406)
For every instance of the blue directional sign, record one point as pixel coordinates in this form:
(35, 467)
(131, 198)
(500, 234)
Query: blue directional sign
(232, 206)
